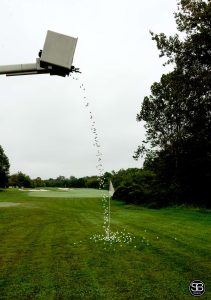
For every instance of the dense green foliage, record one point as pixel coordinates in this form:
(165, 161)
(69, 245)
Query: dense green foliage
(46, 252)
(4, 168)
(22, 180)
(134, 186)
(177, 114)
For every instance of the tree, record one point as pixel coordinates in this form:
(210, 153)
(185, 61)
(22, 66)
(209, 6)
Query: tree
(4, 168)
(177, 114)
(133, 185)
(92, 182)
(21, 180)
(73, 181)
(38, 182)
(61, 181)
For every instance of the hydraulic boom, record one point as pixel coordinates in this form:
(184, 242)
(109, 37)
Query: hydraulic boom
(56, 58)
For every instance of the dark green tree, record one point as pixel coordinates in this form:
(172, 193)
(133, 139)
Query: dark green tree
(92, 182)
(4, 168)
(38, 182)
(133, 185)
(177, 114)
(20, 180)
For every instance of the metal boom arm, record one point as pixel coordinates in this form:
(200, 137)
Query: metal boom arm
(55, 58)
(23, 69)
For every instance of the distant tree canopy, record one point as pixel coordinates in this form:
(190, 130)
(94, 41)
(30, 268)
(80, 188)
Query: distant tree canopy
(73, 182)
(20, 180)
(177, 114)
(4, 168)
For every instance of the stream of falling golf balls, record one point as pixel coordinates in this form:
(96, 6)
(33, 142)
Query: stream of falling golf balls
(108, 237)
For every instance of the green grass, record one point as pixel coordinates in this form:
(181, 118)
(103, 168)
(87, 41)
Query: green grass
(71, 193)
(46, 252)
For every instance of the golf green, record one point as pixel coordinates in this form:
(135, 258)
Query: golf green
(68, 193)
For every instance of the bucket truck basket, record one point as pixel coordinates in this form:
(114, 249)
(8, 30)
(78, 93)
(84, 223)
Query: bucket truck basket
(56, 58)
(57, 53)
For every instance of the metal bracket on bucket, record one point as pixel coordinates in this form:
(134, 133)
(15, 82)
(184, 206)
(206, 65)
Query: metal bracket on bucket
(56, 58)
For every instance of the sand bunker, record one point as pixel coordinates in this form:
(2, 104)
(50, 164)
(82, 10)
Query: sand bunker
(37, 190)
(34, 190)
(7, 204)
(65, 189)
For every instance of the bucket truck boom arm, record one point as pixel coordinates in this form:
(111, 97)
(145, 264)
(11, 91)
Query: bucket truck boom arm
(56, 58)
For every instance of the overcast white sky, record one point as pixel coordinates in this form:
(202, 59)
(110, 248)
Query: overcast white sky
(45, 128)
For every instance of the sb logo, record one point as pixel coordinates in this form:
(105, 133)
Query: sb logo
(197, 288)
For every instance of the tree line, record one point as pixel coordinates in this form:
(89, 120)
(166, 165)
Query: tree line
(22, 180)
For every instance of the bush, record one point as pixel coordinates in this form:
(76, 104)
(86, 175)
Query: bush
(134, 193)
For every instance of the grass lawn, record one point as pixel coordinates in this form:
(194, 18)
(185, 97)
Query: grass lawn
(46, 251)
(71, 193)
